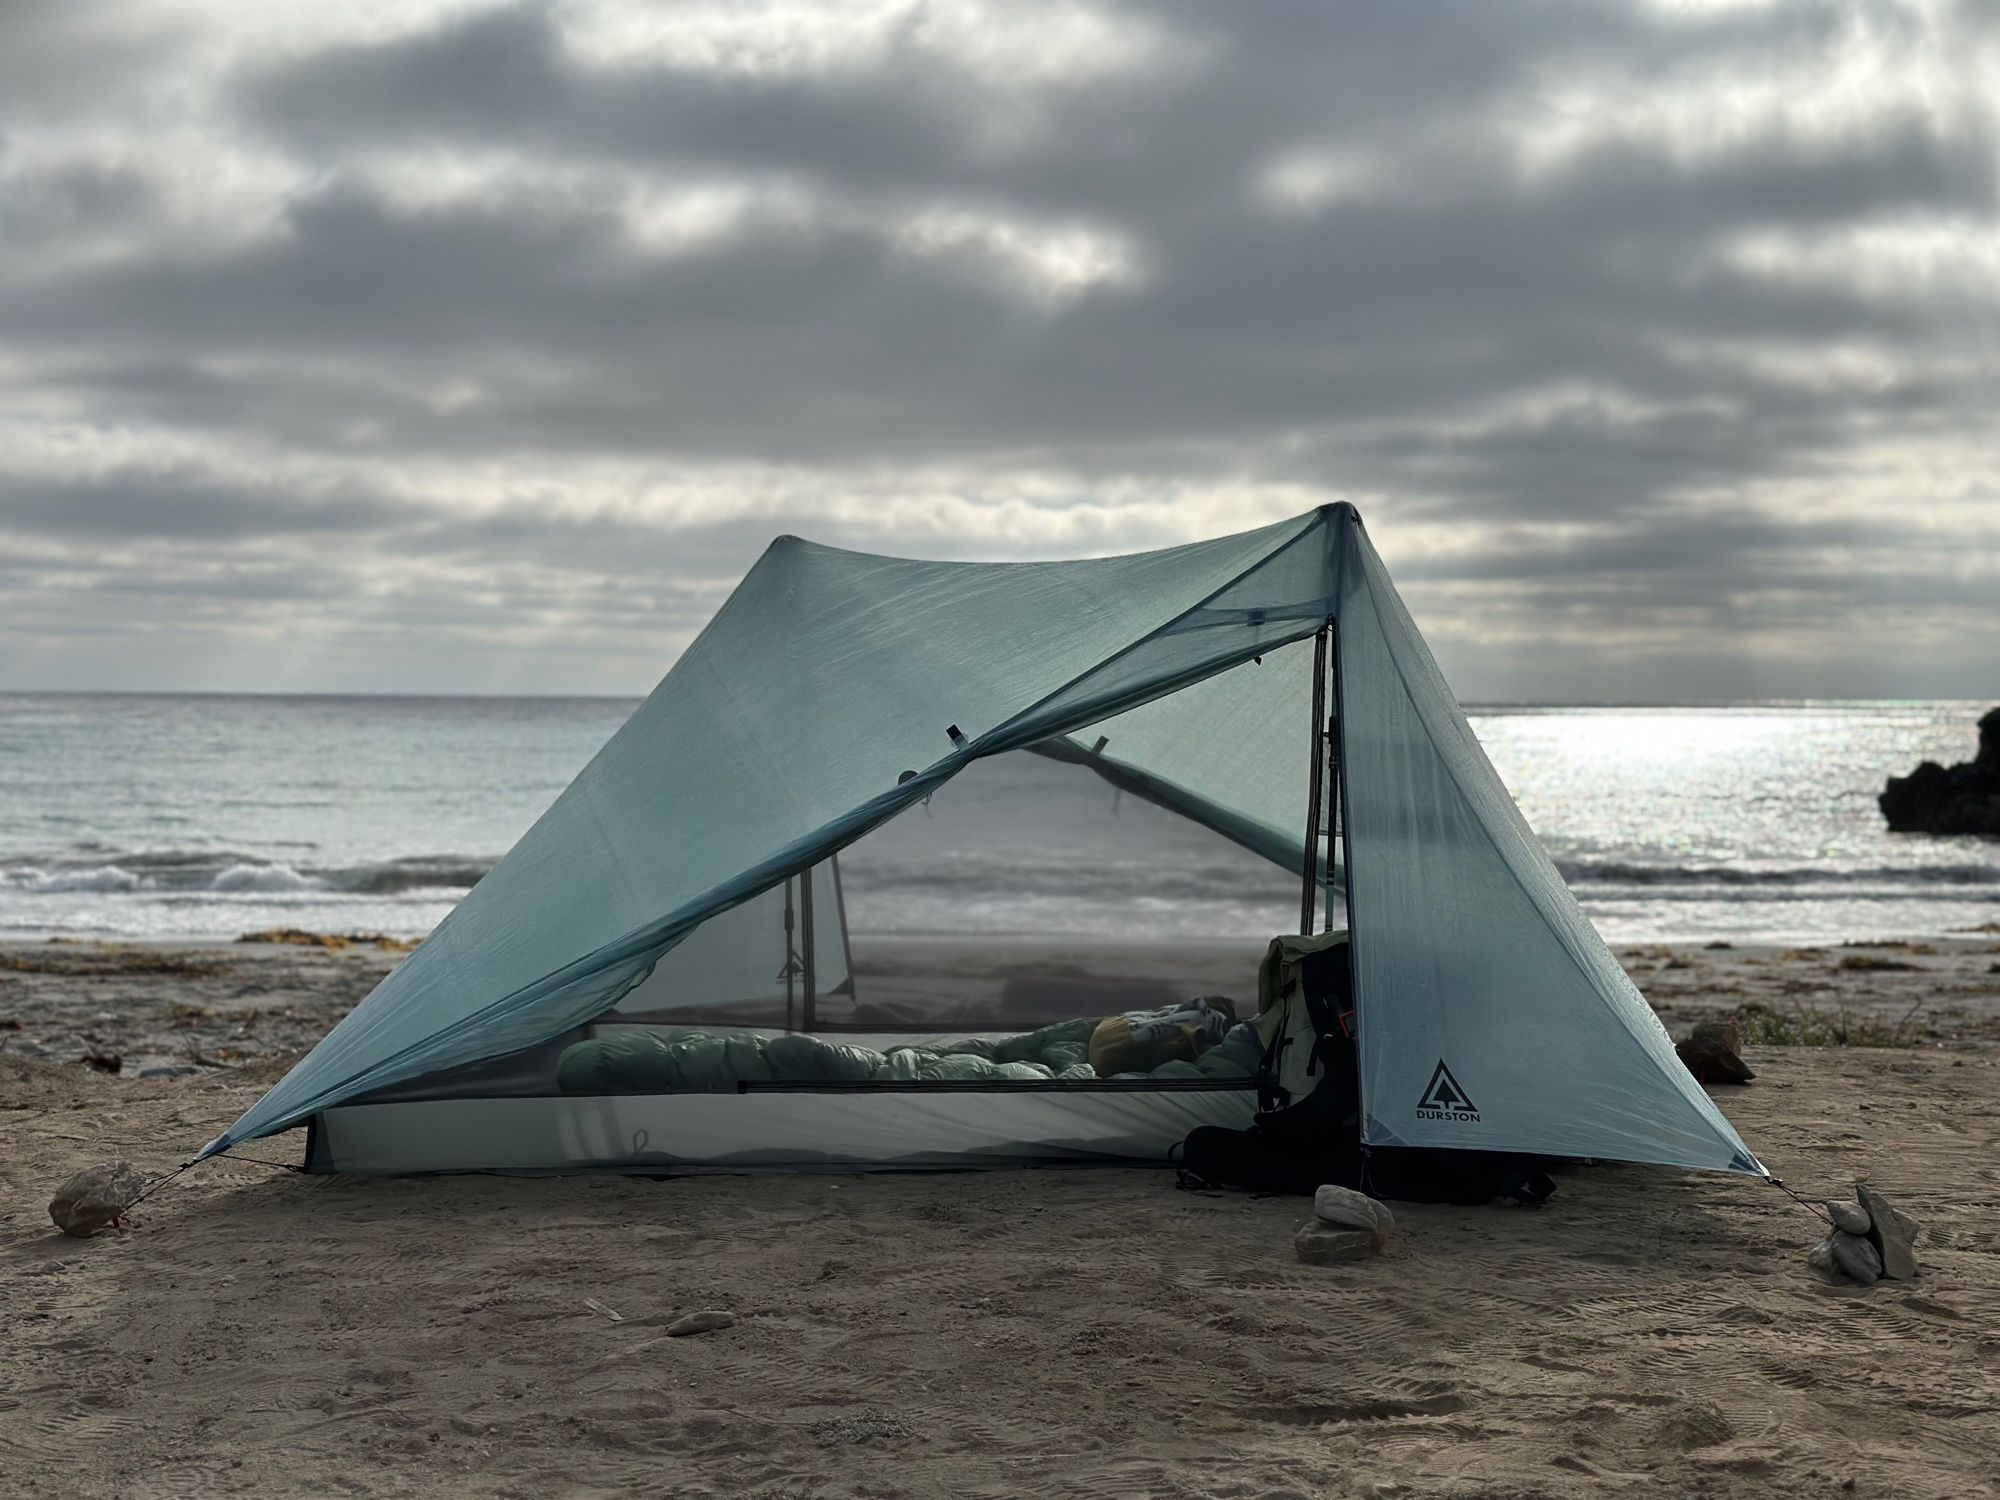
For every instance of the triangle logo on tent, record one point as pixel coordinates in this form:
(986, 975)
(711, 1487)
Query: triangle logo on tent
(1443, 1099)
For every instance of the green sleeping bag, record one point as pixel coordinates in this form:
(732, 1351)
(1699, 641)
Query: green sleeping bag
(672, 1060)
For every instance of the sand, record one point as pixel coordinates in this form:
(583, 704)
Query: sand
(1088, 1333)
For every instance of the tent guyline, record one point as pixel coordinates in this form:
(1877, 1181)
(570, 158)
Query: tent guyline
(651, 977)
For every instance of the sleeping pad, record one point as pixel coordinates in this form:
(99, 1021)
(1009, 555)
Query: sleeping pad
(675, 1060)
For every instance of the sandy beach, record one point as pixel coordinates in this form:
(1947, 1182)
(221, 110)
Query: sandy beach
(1092, 1333)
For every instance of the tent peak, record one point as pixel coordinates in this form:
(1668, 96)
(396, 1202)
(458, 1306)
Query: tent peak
(1330, 512)
(788, 542)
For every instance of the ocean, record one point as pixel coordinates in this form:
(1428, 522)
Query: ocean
(192, 817)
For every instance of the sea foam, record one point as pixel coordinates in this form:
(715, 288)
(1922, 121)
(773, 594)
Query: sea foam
(264, 878)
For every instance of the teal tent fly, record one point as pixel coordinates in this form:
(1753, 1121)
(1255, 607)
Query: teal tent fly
(694, 861)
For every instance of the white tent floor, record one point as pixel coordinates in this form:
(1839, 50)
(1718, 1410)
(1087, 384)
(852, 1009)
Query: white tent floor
(923, 1126)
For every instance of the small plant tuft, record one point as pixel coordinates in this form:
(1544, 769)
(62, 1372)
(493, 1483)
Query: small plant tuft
(1805, 1023)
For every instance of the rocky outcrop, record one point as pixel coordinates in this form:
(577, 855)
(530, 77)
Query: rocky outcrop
(1961, 799)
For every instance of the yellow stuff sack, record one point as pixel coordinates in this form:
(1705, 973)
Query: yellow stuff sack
(1141, 1040)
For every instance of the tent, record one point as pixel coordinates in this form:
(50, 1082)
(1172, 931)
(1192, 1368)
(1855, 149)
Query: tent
(683, 895)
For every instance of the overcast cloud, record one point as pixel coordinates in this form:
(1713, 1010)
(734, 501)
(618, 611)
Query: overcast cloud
(477, 347)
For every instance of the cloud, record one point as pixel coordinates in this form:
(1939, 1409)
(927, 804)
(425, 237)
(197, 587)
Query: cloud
(487, 343)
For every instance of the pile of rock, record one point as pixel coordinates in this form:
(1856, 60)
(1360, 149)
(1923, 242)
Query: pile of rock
(1345, 1225)
(1870, 1240)
(1963, 799)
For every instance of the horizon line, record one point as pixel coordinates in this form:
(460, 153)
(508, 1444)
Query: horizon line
(412, 694)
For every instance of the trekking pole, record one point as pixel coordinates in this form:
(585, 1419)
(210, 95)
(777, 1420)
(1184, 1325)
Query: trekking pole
(1310, 878)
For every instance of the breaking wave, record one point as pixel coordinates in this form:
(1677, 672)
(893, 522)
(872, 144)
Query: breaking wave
(189, 872)
(416, 873)
(264, 878)
(102, 878)
(1618, 872)
(976, 877)
(961, 874)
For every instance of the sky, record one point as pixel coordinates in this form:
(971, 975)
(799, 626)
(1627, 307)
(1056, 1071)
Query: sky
(418, 346)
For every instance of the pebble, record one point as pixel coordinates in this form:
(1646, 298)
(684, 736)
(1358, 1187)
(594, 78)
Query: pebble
(866, 1428)
(1892, 1233)
(1320, 1244)
(92, 1198)
(700, 1322)
(1851, 1217)
(1348, 1209)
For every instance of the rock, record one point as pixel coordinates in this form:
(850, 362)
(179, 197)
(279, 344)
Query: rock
(95, 1197)
(1820, 1258)
(1892, 1232)
(1320, 1244)
(1710, 1058)
(1346, 1209)
(700, 1322)
(1962, 799)
(1857, 1258)
(1848, 1216)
